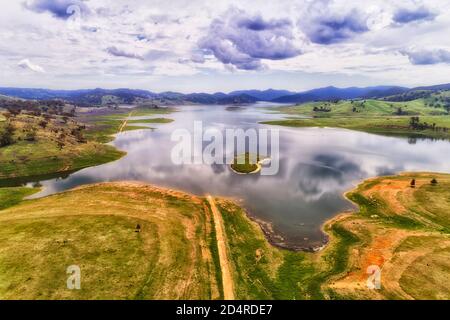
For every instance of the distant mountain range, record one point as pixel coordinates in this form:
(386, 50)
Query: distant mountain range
(129, 96)
(332, 93)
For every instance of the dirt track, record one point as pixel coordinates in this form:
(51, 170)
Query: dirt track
(124, 123)
(227, 279)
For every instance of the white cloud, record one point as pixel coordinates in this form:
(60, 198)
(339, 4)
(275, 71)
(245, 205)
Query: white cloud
(155, 44)
(27, 64)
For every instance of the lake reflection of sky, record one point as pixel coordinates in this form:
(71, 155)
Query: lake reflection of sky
(316, 167)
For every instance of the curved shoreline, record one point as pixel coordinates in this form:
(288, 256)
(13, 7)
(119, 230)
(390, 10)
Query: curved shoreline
(276, 239)
(258, 168)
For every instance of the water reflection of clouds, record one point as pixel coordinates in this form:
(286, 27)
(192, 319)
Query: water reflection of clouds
(316, 167)
(326, 173)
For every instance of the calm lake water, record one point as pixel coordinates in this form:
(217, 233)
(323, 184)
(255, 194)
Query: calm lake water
(316, 167)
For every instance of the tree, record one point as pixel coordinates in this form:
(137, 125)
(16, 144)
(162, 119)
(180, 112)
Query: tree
(434, 182)
(30, 134)
(43, 124)
(6, 135)
(414, 122)
(60, 144)
(413, 183)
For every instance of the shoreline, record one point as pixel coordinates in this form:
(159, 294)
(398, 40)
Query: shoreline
(273, 238)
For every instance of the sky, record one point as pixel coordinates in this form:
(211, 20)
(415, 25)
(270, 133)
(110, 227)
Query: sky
(211, 46)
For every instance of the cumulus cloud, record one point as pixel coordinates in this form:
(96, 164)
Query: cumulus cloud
(157, 54)
(404, 15)
(242, 40)
(114, 51)
(28, 65)
(61, 9)
(325, 24)
(428, 57)
(151, 55)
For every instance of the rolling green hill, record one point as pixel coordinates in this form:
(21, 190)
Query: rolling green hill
(375, 116)
(356, 108)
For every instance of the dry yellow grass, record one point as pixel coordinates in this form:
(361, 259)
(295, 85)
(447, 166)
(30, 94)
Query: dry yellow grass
(404, 231)
(95, 227)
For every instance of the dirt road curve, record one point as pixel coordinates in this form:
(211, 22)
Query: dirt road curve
(125, 122)
(227, 279)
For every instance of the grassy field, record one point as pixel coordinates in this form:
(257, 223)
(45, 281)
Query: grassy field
(12, 196)
(55, 148)
(102, 128)
(349, 108)
(372, 116)
(396, 229)
(392, 125)
(403, 230)
(169, 258)
(244, 164)
(175, 255)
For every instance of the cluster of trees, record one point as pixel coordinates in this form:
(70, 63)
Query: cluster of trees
(433, 182)
(415, 124)
(51, 115)
(357, 105)
(400, 112)
(50, 107)
(410, 96)
(440, 102)
(321, 109)
(6, 134)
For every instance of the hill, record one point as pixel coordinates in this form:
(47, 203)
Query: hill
(417, 118)
(266, 95)
(333, 93)
(155, 243)
(101, 97)
(419, 93)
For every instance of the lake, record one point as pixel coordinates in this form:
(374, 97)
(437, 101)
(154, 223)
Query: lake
(317, 165)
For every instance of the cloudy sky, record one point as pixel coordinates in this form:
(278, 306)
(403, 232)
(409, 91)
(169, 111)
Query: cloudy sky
(198, 45)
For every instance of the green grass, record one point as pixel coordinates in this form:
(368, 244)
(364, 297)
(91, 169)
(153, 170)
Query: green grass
(143, 111)
(282, 274)
(24, 159)
(212, 243)
(243, 164)
(44, 156)
(392, 125)
(177, 237)
(102, 128)
(278, 274)
(40, 238)
(12, 196)
(373, 116)
(347, 108)
(153, 120)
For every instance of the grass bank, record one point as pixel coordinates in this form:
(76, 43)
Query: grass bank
(396, 229)
(44, 145)
(102, 128)
(373, 116)
(402, 230)
(168, 259)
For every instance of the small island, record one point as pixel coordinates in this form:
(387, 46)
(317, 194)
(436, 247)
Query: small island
(247, 164)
